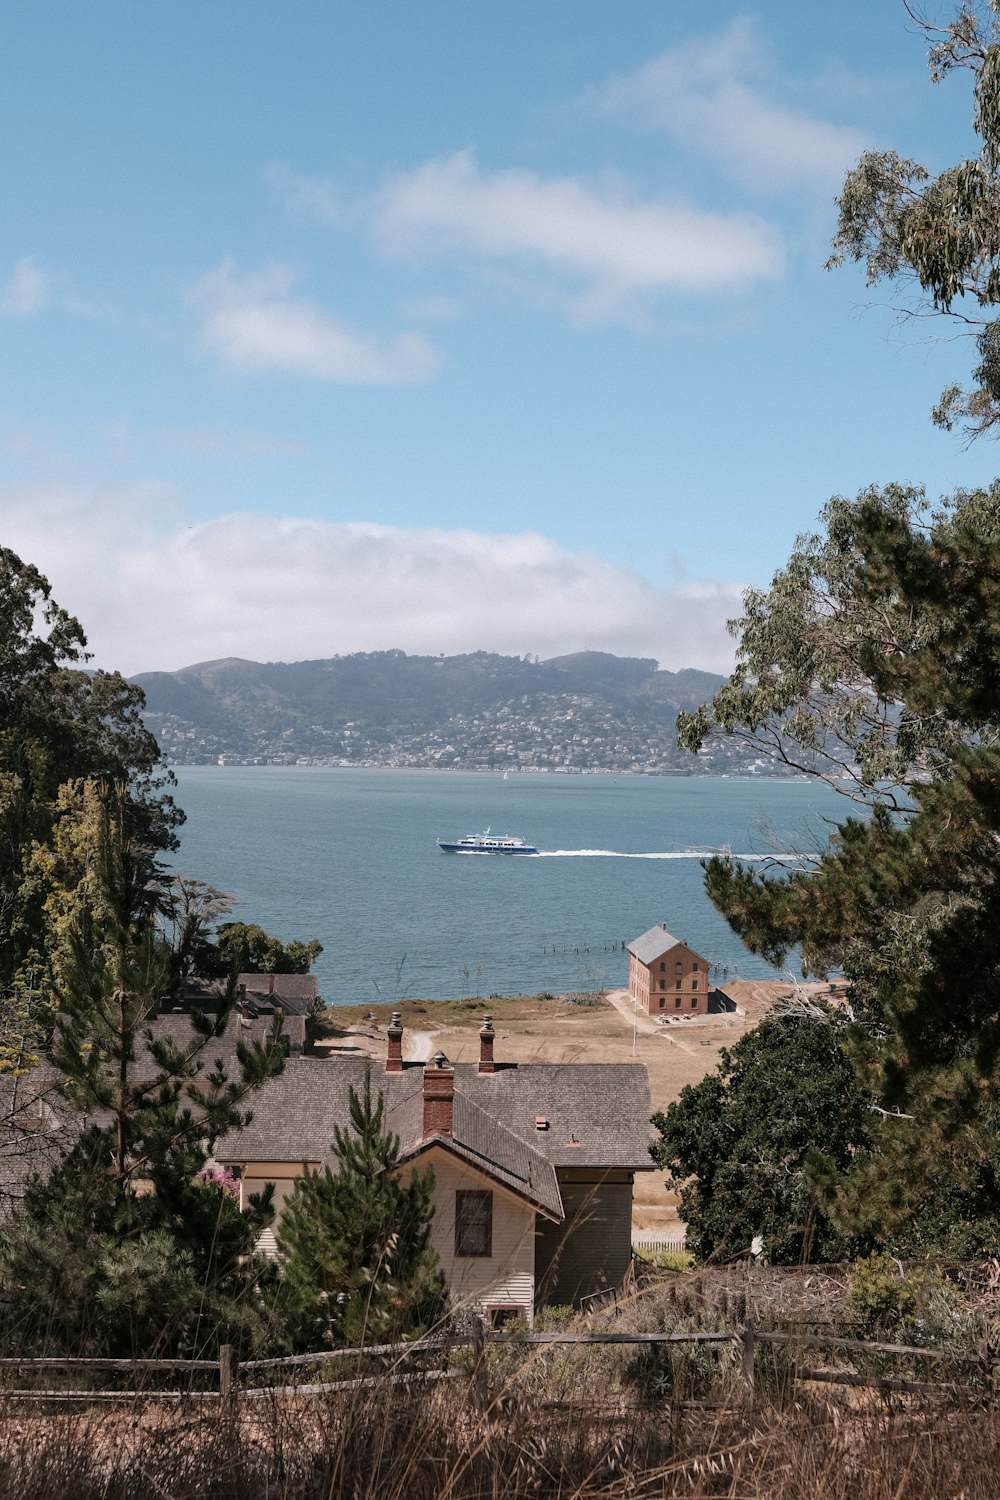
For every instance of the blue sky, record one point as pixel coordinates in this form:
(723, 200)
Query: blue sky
(336, 326)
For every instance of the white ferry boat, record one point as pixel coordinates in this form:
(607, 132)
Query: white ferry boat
(486, 843)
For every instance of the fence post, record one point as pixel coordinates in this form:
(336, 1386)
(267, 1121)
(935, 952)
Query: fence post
(749, 1339)
(479, 1378)
(226, 1378)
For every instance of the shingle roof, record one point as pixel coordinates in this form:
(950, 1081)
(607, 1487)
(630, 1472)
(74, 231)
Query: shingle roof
(597, 1113)
(597, 1116)
(295, 994)
(482, 1141)
(39, 1126)
(653, 944)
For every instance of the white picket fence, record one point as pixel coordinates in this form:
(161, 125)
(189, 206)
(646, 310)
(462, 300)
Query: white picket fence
(658, 1244)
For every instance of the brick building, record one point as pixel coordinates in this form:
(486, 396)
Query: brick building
(665, 976)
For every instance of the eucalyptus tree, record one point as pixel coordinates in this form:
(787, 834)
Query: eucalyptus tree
(934, 235)
(60, 722)
(874, 661)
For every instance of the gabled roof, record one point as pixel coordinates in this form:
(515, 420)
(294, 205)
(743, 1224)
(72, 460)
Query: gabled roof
(484, 1143)
(653, 944)
(295, 994)
(596, 1114)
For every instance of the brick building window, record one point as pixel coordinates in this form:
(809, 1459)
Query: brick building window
(694, 984)
(473, 1223)
(677, 1003)
(678, 984)
(694, 1002)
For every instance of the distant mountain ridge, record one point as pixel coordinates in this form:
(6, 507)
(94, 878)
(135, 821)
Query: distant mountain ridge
(588, 710)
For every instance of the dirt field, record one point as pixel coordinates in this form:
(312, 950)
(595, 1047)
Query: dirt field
(532, 1029)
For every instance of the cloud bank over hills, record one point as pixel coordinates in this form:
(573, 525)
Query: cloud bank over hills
(155, 593)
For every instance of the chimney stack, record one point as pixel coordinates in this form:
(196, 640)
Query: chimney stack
(486, 1037)
(270, 984)
(394, 1031)
(439, 1096)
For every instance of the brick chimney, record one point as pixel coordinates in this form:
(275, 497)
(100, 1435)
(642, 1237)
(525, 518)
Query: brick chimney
(439, 1096)
(394, 1031)
(486, 1037)
(270, 984)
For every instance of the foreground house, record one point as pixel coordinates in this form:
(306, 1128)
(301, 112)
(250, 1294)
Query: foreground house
(665, 976)
(533, 1162)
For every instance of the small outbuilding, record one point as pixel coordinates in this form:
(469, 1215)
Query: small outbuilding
(665, 976)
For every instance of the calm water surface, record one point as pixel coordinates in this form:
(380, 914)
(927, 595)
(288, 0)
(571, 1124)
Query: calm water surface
(350, 857)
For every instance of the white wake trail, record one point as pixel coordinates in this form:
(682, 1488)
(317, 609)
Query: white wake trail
(665, 854)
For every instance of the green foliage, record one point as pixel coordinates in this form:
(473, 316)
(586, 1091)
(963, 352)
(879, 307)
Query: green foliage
(354, 1244)
(873, 657)
(874, 660)
(938, 233)
(909, 1304)
(749, 1146)
(245, 948)
(664, 1260)
(60, 723)
(123, 1248)
(190, 911)
(166, 1264)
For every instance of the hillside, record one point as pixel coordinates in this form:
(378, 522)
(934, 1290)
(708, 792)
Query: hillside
(587, 711)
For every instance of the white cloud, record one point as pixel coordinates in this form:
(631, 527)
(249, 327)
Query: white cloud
(710, 95)
(252, 323)
(155, 594)
(27, 290)
(600, 237)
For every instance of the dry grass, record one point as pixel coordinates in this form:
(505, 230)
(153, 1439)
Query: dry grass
(420, 1444)
(561, 1422)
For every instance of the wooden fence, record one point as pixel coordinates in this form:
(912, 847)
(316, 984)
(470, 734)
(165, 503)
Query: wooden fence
(227, 1381)
(667, 1244)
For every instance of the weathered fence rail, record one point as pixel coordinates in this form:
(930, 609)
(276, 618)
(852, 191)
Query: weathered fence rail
(231, 1381)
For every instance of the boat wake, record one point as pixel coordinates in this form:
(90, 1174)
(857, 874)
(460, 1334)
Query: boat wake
(665, 854)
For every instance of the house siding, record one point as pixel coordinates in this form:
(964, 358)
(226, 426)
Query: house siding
(506, 1278)
(255, 1176)
(593, 1249)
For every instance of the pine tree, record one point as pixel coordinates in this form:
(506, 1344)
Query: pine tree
(354, 1244)
(125, 1247)
(874, 660)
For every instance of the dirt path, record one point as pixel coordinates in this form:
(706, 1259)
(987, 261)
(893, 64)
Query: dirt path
(622, 1002)
(418, 1045)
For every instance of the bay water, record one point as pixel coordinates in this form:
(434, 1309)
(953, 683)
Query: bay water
(350, 856)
